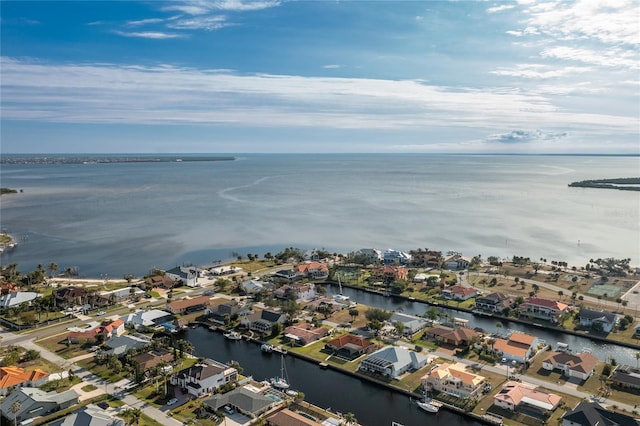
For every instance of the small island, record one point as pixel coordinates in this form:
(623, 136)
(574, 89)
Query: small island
(623, 184)
(8, 191)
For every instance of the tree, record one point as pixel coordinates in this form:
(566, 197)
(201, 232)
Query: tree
(349, 419)
(53, 268)
(15, 407)
(353, 313)
(400, 327)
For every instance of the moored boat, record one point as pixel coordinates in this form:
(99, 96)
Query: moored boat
(266, 348)
(232, 335)
(280, 382)
(280, 350)
(429, 405)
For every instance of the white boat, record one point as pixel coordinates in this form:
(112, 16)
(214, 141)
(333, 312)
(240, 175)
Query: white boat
(232, 335)
(280, 350)
(280, 382)
(266, 348)
(429, 405)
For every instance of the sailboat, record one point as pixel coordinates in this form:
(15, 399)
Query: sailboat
(280, 382)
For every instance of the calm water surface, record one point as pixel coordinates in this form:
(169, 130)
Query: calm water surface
(126, 218)
(372, 405)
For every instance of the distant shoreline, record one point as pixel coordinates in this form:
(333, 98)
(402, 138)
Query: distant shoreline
(106, 159)
(623, 184)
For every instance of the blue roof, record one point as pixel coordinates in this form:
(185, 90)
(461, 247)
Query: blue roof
(169, 326)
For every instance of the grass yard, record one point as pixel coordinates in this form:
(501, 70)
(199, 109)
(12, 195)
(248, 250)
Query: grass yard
(56, 344)
(102, 371)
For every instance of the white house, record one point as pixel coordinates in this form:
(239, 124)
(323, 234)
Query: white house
(458, 292)
(253, 286)
(17, 298)
(204, 377)
(412, 324)
(149, 318)
(580, 365)
(371, 255)
(121, 294)
(590, 318)
(516, 396)
(456, 261)
(393, 361)
(188, 275)
(395, 257)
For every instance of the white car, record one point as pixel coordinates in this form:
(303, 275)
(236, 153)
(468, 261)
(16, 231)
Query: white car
(172, 401)
(100, 313)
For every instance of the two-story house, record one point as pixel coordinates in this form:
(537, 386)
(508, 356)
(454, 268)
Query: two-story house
(581, 365)
(263, 321)
(600, 320)
(204, 377)
(458, 292)
(494, 303)
(454, 379)
(312, 270)
(545, 309)
(187, 275)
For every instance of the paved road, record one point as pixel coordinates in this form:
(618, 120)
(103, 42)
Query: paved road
(90, 378)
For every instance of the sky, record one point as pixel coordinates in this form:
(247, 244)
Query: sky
(277, 76)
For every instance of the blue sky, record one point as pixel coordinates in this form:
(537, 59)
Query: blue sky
(235, 76)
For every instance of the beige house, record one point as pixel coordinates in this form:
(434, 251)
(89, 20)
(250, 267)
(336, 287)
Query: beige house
(453, 379)
(516, 396)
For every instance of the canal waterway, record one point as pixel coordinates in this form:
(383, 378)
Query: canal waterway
(372, 405)
(603, 351)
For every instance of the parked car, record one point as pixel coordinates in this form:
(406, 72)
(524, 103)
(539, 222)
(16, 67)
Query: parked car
(172, 401)
(229, 410)
(100, 313)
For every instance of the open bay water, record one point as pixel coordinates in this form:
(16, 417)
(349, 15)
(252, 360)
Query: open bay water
(127, 218)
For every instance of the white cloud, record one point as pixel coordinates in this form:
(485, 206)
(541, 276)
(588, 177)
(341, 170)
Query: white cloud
(203, 7)
(141, 22)
(171, 95)
(208, 23)
(539, 71)
(613, 57)
(500, 8)
(331, 66)
(156, 35)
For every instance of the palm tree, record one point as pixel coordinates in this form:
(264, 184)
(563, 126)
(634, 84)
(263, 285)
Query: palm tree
(637, 359)
(15, 407)
(53, 268)
(349, 419)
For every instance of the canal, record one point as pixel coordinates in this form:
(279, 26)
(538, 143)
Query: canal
(372, 405)
(603, 351)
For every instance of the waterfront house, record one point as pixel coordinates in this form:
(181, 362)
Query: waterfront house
(147, 360)
(304, 333)
(324, 302)
(581, 365)
(186, 275)
(627, 378)
(395, 257)
(204, 377)
(312, 270)
(286, 417)
(518, 347)
(300, 292)
(453, 379)
(89, 415)
(392, 361)
(161, 281)
(545, 309)
(598, 320)
(350, 346)
(12, 300)
(121, 294)
(150, 318)
(516, 396)
(428, 258)
(33, 402)
(186, 306)
(389, 274)
(12, 375)
(245, 400)
(369, 255)
(312, 255)
(120, 345)
(456, 261)
(593, 414)
(494, 302)
(458, 292)
(458, 336)
(223, 312)
(412, 324)
(263, 321)
(286, 275)
(225, 270)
